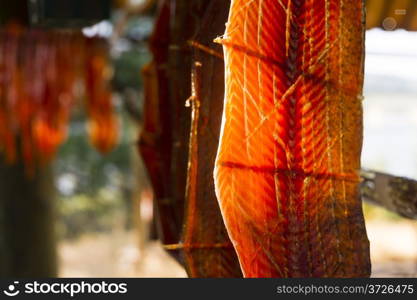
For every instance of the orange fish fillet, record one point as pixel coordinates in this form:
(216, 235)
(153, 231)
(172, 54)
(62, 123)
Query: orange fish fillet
(287, 167)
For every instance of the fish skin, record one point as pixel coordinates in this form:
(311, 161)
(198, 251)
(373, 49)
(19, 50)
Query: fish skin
(194, 236)
(155, 141)
(208, 251)
(287, 167)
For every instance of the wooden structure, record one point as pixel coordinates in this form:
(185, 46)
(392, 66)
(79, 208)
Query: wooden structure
(391, 14)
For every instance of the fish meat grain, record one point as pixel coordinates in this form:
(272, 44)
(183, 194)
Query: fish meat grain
(287, 166)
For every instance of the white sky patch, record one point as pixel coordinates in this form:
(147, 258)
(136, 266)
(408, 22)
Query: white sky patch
(390, 106)
(392, 53)
(67, 183)
(136, 2)
(102, 29)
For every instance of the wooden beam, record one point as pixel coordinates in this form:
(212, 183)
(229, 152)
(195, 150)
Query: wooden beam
(397, 194)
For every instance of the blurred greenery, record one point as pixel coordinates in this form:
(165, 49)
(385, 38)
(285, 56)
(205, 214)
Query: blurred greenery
(131, 53)
(81, 213)
(95, 190)
(127, 68)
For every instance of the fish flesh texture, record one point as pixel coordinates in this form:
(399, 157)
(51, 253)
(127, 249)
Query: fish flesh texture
(287, 168)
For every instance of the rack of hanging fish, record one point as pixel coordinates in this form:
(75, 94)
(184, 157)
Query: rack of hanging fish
(43, 75)
(252, 142)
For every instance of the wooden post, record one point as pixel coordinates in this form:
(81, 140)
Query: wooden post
(27, 215)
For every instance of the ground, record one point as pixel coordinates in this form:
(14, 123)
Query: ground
(393, 251)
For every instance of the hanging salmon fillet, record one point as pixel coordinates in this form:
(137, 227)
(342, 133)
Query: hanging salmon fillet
(39, 86)
(287, 167)
(165, 139)
(155, 141)
(188, 216)
(208, 251)
(103, 127)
